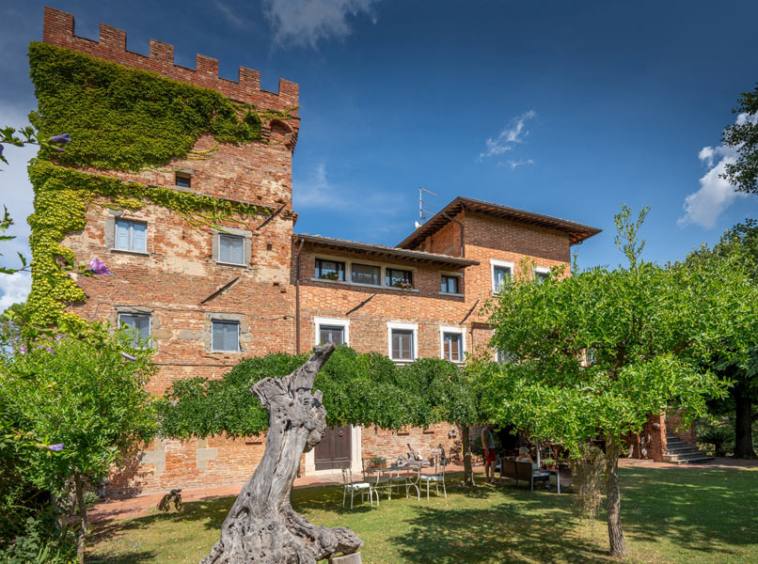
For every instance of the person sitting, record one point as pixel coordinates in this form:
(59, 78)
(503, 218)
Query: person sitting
(524, 456)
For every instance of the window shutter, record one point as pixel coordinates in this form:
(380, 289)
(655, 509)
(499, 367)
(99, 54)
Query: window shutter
(238, 245)
(138, 237)
(122, 235)
(218, 337)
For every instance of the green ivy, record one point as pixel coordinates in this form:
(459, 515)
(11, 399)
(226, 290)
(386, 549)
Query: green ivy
(119, 119)
(127, 119)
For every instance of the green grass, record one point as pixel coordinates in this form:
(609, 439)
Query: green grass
(687, 516)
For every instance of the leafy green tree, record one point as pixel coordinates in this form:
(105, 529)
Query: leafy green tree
(598, 352)
(740, 244)
(743, 137)
(84, 397)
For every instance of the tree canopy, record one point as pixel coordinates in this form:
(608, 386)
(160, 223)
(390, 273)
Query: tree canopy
(596, 353)
(743, 137)
(359, 389)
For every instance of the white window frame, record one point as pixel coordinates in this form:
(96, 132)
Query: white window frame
(502, 264)
(403, 327)
(540, 270)
(458, 331)
(239, 345)
(149, 323)
(334, 322)
(131, 235)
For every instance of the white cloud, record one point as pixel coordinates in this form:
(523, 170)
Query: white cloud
(715, 195)
(306, 22)
(14, 289)
(521, 162)
(231, 15)
(508, 137)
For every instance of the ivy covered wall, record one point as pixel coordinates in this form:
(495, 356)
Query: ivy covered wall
(119, 119)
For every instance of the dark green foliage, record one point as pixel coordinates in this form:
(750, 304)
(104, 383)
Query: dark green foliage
(125, 119)
(743, 136)
(359, 389)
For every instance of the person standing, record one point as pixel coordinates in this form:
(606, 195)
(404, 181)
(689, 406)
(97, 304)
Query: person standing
(488, 444)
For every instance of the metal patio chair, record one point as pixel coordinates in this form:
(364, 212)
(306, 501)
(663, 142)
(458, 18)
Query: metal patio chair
(440, 463)
(352, 487)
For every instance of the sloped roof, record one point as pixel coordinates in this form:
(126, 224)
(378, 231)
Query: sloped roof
(576, 231)
(381, 251)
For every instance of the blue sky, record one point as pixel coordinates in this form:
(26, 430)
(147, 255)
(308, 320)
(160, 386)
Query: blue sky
(562, 108)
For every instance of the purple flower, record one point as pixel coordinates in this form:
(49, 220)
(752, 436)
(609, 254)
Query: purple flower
(97, 267)
(22, 349)
(56, 448)
(128, 356)
(48, 349)
(63, 138)
(1, 150)
(60, 150)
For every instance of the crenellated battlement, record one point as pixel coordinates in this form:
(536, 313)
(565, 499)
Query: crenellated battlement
(58, 30)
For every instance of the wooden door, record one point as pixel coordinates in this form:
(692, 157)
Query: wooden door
(333, 452)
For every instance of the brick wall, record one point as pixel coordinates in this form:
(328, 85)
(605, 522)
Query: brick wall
(175, 279)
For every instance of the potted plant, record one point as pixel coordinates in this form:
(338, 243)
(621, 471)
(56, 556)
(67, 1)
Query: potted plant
(330, 276)
(404, 284)
(549, 463)
(378, 462)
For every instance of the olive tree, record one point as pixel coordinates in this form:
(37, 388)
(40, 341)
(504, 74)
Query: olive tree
(598, 352)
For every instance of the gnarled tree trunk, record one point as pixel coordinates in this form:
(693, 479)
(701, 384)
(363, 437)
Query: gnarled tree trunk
(262, 527)
(468, 470)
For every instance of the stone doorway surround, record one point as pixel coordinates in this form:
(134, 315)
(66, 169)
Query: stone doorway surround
(355, 456)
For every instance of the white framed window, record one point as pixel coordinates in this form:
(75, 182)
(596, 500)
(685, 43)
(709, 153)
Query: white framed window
(402, 341)
(139, 324)
(231, 249)
(330, 330)
(225, 336)
(452, 344)
(502, 273)
(130, 236)
(363, 273)
(541, 273)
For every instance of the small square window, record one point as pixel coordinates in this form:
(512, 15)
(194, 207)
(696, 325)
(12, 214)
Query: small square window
(366, 274)
(138, 324)
(450, 284)
(183, 180)
(330, 270)
(541, 274)
(399, 278)
(130, 236)
(402, 344)
(225, 336)
(231, 249)
(331, 334)
(452, 347)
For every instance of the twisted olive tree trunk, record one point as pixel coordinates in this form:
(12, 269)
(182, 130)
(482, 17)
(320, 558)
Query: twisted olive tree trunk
(262, 527)
(613, 495)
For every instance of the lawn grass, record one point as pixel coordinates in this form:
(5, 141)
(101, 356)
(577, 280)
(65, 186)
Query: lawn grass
(669, 515)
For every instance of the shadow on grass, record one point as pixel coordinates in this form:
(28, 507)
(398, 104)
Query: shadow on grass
(699, 510)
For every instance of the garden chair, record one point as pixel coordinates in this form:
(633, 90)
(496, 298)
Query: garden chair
(440, 462)
(352, 487)
(378, 480)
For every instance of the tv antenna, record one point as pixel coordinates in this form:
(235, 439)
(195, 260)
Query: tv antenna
(422, 211)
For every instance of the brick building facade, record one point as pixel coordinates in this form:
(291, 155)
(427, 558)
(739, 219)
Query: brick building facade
(206, 298)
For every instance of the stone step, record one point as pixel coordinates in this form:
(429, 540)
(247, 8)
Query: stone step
(682, 450)
(686, 457)
(699, 460)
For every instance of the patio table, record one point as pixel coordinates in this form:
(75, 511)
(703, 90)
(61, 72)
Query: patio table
(410, 474)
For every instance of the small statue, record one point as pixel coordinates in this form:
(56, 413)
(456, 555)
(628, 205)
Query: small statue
(174, 497)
